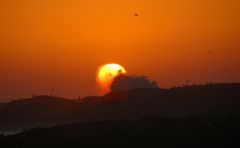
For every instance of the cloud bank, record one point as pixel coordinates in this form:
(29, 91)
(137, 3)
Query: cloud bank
(125, 82)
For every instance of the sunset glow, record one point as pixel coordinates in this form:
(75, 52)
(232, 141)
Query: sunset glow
(47, 44)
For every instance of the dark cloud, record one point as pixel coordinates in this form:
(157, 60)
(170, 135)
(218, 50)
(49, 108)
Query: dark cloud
(131, 82)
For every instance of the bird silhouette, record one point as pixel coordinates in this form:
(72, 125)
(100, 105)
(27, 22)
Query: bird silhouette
(136, 14)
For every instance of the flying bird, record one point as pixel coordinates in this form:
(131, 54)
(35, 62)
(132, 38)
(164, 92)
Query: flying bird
(136, 14)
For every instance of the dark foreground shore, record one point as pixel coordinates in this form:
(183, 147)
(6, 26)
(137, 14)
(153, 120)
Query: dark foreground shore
(150, 131)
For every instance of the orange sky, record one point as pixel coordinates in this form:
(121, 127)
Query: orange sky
(59, 44)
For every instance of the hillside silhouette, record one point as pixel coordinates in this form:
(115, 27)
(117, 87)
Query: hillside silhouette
(189, 116)
(38, 108)
(189, 101)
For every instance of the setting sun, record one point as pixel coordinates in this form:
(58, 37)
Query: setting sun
(107, 73)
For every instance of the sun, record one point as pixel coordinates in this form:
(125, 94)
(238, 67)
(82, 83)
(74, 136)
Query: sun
(107, 73)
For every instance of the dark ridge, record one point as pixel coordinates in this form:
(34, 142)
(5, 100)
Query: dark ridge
(188, 101)
(38, 108)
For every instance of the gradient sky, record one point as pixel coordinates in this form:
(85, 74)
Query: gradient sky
(59, 44)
